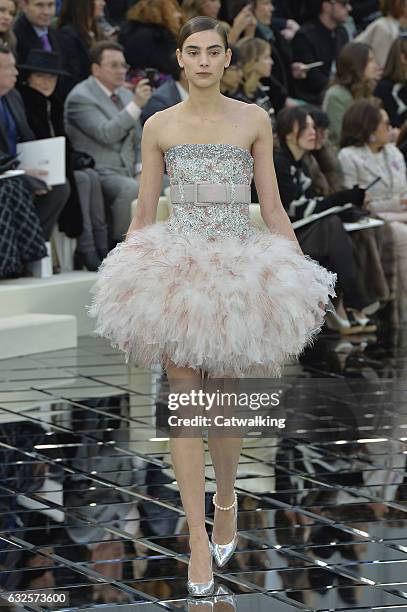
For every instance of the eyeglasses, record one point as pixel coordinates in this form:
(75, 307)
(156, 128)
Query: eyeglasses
(116, 66)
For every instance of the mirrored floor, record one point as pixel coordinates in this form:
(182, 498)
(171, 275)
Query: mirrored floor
(90, 514)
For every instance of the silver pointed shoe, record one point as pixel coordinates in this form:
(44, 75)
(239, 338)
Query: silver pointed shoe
(223, 552)
(202, 589)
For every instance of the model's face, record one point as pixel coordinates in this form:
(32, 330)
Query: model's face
(382, 135)
(264, 65)
(39, 13)
(232, 77)
(372, 70)
(211, 8)
(340, 11)
(263, 11)
(7, 14)
(44, 83)
(98, 8)
(204, 58)
(112, 69)
(305, 140)
(8, 73)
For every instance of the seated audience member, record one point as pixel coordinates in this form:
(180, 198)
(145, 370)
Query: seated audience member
(78, 31)
(211, 8)
(382, 32)
(21, 236)
(171, 92)
(255, 58)
(45, 116)
(8, 10)
(375, 261)
(33, 28)
(368, 154)
(149, 36)
(14, 128)
(357, 73)
(298, 10)
(392, 89)
(364, 12)
(102, 120)
(324, 239)
(283, 68)
(321, 39)
(110, 31)
(233, 75)
(116, 10)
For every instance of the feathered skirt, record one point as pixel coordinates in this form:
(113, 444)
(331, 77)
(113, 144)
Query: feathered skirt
(230, 307)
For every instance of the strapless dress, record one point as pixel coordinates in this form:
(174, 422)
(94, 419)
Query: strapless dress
(208, 288)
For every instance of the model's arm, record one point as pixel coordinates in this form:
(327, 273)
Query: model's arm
(272, 210)
(151, 177)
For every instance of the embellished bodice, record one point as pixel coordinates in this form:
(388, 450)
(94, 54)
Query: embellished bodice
(210, 163)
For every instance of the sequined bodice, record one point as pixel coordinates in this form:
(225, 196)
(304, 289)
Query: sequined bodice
(213, 163)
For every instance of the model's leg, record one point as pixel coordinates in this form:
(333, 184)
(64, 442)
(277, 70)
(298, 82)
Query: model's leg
(188, 459)
(225, 453)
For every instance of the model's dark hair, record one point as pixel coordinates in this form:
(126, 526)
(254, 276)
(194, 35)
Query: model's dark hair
(350, 69)
(96, 52)
(360, 121)
(286, 120)
(200, 24)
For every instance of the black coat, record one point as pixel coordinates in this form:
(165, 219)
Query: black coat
(148, 45)
(394, 98)
(313, 43)
(75, 57)
(39, 119)
(27, 38)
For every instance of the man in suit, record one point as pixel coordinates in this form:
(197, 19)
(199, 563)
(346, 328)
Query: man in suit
(33, 28)
(14, 128)
(102, 119)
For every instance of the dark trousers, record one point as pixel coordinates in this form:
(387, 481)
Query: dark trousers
(49, 207)
(327, 241)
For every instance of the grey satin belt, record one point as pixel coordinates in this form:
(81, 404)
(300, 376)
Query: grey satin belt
(204, 194)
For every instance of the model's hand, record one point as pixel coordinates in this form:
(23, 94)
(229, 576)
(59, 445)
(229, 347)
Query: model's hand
(142, 93)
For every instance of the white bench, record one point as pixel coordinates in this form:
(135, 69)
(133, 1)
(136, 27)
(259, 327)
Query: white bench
(36, 333)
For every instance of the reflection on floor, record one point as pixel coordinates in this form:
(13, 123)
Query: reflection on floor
(89, 509)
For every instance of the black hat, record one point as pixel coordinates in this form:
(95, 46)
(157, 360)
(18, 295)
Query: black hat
(47, 62)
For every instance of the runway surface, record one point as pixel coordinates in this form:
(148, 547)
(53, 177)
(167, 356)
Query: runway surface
(90, 514)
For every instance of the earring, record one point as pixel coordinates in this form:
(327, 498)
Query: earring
(372, 138)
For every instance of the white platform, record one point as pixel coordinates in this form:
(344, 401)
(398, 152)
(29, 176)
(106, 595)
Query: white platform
(26, 334)
(62, 294)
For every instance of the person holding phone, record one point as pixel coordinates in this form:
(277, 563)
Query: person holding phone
(102, 120)
(321, 39)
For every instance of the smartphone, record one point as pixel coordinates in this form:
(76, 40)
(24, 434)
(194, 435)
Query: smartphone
(151, 74)
(313, 65)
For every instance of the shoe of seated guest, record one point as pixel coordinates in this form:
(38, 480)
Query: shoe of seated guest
(89, 260)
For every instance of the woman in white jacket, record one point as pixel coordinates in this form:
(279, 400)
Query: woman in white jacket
(382, 32)
(366, 155)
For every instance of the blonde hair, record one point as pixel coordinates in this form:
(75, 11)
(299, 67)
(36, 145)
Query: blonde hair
(250, 51)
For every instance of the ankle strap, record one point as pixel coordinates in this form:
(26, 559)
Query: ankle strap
(224, 507)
